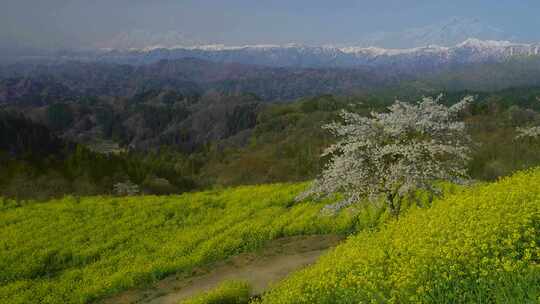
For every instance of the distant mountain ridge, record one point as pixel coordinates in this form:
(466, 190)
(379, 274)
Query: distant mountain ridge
(43, 83)
(302, 56)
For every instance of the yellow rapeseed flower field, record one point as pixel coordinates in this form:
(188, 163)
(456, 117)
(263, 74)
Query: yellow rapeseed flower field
(79, 250)
(481, 245)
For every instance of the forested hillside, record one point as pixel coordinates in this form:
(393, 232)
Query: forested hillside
(28, 83)
(39, 83)
(166, 142)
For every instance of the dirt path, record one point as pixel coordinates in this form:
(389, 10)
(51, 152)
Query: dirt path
(261, 269)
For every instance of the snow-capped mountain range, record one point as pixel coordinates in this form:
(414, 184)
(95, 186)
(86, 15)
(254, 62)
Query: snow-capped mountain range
(429, 46)
(441, 44)
(295, 55)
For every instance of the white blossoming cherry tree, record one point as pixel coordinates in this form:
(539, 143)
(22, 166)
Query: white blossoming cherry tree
(388, 155)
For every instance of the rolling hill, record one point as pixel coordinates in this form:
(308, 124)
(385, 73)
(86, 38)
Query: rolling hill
(478, 244)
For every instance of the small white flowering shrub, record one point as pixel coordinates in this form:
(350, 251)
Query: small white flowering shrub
(126, 189)
(530, 132)
(388, 155)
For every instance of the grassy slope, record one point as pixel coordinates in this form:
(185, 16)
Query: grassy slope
(75, 251)
(478, 246)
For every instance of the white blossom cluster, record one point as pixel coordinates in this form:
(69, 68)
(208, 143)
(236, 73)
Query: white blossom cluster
(530, 132)
(388, 155)
(126, 189)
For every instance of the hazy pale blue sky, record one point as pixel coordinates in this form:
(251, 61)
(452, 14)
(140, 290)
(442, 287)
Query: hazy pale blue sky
(78, 23)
